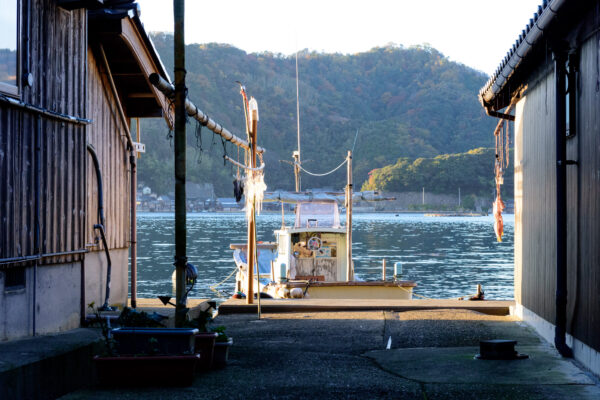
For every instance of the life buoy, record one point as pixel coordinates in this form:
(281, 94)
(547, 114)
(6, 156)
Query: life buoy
(314, 243)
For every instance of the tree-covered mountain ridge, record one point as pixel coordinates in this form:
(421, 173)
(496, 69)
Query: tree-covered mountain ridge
(403, 102)
(472, 171)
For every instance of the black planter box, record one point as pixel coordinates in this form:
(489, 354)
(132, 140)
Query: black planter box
(152, 341)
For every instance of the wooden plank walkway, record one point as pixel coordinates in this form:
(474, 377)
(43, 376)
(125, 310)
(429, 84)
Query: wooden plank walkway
(239, 306)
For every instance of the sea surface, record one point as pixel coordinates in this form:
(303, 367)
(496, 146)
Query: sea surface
(446, 256)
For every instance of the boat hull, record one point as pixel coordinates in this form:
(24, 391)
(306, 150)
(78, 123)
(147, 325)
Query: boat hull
(360, 292)
(382, 290)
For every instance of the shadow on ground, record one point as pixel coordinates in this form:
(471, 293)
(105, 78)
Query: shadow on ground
(341, 355)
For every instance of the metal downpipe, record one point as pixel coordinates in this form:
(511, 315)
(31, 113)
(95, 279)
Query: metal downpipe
(561, 207)
(100, 225)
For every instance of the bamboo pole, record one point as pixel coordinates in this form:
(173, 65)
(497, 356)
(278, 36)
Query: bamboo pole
(252, 221)
(180, 144)
(349, 269)
(168, 90)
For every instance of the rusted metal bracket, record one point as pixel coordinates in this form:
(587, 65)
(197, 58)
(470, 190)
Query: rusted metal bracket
(497, 114)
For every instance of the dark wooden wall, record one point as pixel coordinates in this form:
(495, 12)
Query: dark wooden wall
(106, 134)
(58, 64)
(584, 203)
(535, 200)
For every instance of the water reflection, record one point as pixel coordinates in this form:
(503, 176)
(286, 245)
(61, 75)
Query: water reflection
(446, 256)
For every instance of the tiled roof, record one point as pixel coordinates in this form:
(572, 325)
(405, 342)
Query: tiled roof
(528, 38)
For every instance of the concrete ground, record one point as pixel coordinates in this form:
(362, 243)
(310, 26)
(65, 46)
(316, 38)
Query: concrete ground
(342, 355)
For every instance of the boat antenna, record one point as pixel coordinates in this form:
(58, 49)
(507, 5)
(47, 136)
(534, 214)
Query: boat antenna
(296, 154)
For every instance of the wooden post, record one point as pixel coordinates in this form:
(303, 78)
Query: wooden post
(349, 269)
(252, 222)
(180, 145)
(383, 269)
(296, 155)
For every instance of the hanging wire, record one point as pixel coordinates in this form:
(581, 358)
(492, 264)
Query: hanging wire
(355, 137)
(324, 174)
(199, 149)
(224, 151)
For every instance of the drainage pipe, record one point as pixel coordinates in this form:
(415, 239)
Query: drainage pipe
(38, 193)
(101, 223)
(561, 207)
(133, 176)
(133, 240)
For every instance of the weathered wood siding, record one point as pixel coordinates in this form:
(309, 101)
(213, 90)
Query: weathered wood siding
(584, 203)
(535, 200)
(57, 62)
(535, 193)
(107, 136)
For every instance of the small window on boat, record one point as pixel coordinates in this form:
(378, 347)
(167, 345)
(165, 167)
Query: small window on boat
(9, 47)
(318, 215)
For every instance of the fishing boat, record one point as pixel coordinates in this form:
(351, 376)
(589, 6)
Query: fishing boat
(311, 259)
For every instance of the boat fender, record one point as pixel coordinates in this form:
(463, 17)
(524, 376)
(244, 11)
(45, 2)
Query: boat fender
(296, 293)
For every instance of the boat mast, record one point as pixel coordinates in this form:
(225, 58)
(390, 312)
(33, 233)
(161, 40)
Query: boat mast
(349, 199)
(296, 154)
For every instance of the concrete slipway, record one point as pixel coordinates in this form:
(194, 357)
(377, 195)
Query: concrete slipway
(341, 355)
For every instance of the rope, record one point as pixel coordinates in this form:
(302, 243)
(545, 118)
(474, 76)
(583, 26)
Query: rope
(213, 287)
(326, 173)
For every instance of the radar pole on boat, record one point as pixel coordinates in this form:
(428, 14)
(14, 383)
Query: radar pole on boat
(296, 154)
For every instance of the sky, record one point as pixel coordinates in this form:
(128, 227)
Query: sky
(477, 33)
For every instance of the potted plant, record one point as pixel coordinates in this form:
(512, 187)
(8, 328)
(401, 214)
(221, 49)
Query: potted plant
(204, 340)
(222, 345)
(145, 355)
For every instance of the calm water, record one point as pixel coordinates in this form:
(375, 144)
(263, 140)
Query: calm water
(446, 256)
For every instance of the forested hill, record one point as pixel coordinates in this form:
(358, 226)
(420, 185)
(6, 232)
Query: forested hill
(404, 102)
(473, 172)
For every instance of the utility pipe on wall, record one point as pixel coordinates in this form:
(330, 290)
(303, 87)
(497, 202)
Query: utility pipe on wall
(561, 206)
(101, 224)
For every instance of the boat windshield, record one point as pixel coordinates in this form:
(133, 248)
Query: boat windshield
(322, 214)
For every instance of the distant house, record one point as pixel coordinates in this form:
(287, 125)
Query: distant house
(229, 204)
(200, 191)
(551, 79)
(73, 78)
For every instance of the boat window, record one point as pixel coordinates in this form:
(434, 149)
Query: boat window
(317, 215)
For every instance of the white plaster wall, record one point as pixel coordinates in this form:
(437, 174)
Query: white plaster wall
(583, 353)
(15, 311)
(58, 298)
(57, 302)
(95, 277)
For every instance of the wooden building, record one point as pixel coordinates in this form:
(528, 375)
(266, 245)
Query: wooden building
(73, 76)
(550, 79)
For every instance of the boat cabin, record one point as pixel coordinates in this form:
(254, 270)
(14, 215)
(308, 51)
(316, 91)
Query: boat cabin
(315, 247)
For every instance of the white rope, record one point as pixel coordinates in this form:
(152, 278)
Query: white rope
(240, 165)
(224, 280)
(326, 173)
